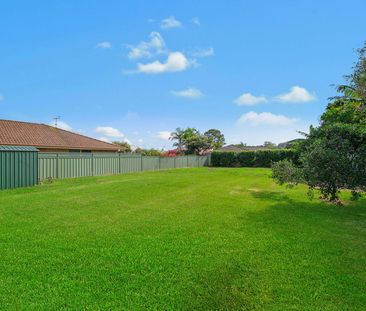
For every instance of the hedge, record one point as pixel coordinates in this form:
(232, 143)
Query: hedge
(259, 158)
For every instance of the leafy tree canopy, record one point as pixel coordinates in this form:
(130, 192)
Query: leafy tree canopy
(350, 106)
(193, 142)
(125, 147)
(215, 138)
(333, 156)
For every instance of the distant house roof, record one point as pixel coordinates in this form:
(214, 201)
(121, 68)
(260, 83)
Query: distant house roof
(231, 148)
(236, 148)
(16, 133)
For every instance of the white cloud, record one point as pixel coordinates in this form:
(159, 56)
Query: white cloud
(265, 118)
(104, 45)
(296, 94)
(247, 99)
(164, 135)
(196, 21)
(156, 45)
(176, 61)
(170, 22)
(109, 131)
(204, 52)
(191, 93)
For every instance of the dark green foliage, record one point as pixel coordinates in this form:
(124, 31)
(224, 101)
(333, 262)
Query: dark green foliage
(260, 158)
(350, 107)
(345, 111)
(149, 152)
(285, 172)
(269, 145)
(124, 147)
(245, 159)
(224, 159)
(191, 141)
(215, 138)
(335, 158)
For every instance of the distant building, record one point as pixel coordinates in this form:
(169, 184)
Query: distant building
(238, 148)
(230, 148)
(47, 138)
(290, 143)
(242, 147)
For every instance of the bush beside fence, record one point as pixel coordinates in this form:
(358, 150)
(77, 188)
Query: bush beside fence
(69, 165)
(259, 158)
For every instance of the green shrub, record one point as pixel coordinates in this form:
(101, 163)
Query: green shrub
(224, 159)
(245, 159)
(260, 158)
(285, 172)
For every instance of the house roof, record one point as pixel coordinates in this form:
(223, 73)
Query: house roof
(230, 148)
(16, 133)
(243, 148)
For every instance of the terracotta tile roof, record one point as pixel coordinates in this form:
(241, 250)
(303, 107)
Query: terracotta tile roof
(18, 133)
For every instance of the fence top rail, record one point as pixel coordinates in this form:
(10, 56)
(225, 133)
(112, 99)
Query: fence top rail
(18, 148)
(65, 155)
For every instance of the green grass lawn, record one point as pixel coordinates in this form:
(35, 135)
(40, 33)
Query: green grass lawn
(188, 239)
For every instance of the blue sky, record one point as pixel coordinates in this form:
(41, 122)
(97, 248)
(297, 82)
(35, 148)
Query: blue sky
(136, 70)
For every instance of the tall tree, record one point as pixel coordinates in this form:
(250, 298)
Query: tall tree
(177, 136)
(215, 138)
(333, 156)
(269, 145)
(124, 147)
(350, 106)
(193, 142)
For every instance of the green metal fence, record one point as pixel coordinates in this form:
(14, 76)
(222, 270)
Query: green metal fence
(68, 165)
(18, 167)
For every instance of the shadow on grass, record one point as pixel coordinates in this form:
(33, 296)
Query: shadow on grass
(304, 255)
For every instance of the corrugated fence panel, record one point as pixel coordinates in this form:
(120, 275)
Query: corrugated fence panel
(150, 163)
(68, 165)
(18, 167)
(47, 166)
(74, 166)
(181, 161)
(204, 161)
(24, 166)
(130, 163)
(167, 163)
(106, 165)
(193, 161)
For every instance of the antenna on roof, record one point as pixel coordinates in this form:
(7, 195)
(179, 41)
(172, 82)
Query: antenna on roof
(56, 120)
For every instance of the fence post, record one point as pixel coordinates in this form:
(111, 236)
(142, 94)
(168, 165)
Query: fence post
(119, 163)
(92, 164)
(141, 163)
(175, 165)
(187, 161)
(57, 166)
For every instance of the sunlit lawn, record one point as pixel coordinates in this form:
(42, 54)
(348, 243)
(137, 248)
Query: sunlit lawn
(191, 239)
